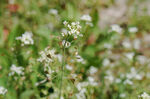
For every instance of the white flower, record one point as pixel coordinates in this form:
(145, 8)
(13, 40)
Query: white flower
(107, 45)
(93, 70)
(2, 90)
(106, 62)
(137, 44)
(133, 29)
(26, 38)
(53, 11)
(126, 43)
(86, 17)
(92, 81)
(66, 44)
(79, 59)
(47, 56)
(144, 96)
(129, 55)
(18, 70)
(122, 95)
(72, 29)
(128, 81)
(116, 28)
(68, 67)
(142, 59)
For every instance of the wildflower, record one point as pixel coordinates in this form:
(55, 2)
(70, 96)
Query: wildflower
(92, 81)
(66, 44)
(144, 96)
(68, 67)
(137, 44)
(2, 90)
(106, 62)
(26, 38)
(129, 55)
(93, 70)
(133, 29)
(86, 17)
(47, 56)
(72, 29)
(53, 11)
(126, 43)
(18, 70)
(79, 59)
(122, 95)
(116, 28)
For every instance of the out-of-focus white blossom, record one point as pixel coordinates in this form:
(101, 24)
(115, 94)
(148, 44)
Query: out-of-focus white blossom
(66, 44)
(92, 81)
(14, 69)
(144, 95)
(86, 17)
(137, 44)
(68, 67)
(3, 90)
(26, 38)
(47, 56)
(129, 55)
(108, 45)
(106, 62)
(116, 28)
(93, 70)
(53, 11)
(142, 59)
(133, 29)
(122, 95)
(79, 59)
(126, 43)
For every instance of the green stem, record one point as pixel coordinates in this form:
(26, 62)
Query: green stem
(62, 74)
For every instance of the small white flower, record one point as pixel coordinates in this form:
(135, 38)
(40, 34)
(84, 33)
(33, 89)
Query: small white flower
(127, 81)
(18, 70)
(133, 29)
(66, 44)
(116, 28)
(122, 95)
(72, 29)
(137, 44)
(47, 56)
(68, 67)
(53, 11)
(26, 38)
(126, 43)
(106, 62)
(93, 70)
(129, 55)
(86, 17)
(144, 96)
(2, 90)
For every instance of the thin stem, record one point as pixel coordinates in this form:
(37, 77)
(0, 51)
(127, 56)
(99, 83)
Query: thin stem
(62, 68)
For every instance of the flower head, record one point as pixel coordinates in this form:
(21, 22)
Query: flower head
(72, 29)
(2, 90)
(26, 38)
(14, 69)
(47, 56)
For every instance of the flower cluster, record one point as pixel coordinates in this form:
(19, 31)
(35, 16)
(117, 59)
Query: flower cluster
(116, 28)
(26, 38)
(2, 90)
(66, 44)
(144, 96)
(47, 56)
(87, 18)
(73, 29)
(18, 70)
